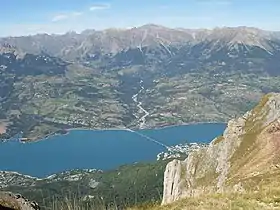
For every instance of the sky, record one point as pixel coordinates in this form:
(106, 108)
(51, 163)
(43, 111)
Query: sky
(26, 17)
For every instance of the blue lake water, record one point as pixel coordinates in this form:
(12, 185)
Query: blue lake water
(102, 149)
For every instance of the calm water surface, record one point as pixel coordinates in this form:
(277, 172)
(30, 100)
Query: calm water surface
(103, 149)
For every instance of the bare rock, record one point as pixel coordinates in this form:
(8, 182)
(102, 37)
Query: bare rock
(10, 201)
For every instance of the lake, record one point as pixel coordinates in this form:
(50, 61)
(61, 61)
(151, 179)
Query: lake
(99, 149)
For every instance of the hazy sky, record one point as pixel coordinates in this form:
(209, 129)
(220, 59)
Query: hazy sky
(23, 17)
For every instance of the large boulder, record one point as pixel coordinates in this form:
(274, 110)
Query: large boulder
(11, 201)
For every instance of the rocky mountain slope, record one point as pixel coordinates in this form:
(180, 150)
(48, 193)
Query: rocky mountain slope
(143, 77)
(244, 160)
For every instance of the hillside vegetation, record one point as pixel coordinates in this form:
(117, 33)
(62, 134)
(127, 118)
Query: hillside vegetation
(123, 187)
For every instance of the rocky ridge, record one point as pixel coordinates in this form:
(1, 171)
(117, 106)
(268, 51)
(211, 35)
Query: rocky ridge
(243, 159)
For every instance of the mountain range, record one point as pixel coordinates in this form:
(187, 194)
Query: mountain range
(73, 46)
(142, 77)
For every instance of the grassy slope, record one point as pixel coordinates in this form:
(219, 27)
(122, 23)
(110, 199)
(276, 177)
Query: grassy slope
(266, 195)
(249, 201)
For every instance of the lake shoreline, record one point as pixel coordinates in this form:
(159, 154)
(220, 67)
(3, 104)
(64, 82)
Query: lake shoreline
(67, 131)
(148, 128)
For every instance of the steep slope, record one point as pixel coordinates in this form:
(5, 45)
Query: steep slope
(245, 159)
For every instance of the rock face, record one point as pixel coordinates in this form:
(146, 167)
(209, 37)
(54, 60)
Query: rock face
(247, 155)
(10, 201)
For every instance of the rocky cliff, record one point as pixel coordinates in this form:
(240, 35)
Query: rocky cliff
(245, 158)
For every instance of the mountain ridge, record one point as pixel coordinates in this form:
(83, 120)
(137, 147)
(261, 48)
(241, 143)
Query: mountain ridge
(117, 40)
(147, 26)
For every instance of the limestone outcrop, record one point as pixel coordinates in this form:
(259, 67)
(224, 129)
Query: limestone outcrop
(10, 201)
(248, 153)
